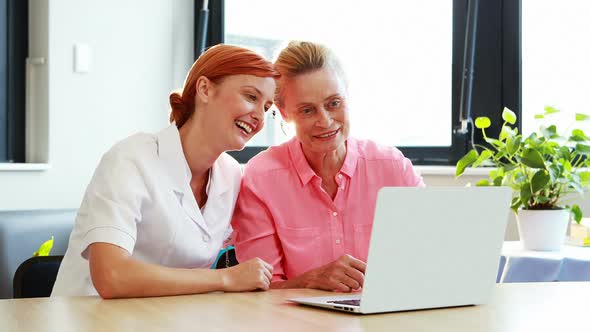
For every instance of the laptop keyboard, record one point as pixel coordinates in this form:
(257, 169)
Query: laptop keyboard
(356, 303)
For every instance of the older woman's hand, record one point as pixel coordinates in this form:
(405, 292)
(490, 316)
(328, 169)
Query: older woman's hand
(343, 275)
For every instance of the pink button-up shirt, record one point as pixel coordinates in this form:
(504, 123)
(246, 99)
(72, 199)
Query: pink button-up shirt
(285, 217)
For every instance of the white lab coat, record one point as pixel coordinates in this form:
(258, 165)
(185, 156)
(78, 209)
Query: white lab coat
(140, 200)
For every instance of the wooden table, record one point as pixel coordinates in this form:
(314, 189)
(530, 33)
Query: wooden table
(515, 307)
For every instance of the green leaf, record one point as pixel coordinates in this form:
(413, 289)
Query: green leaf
(496, 172)
(498, 181)
(508, 116)
(482, 183)
(520, 178)
(577, 212)
(467, 160)
(578, 135)
(539, 180)
(564, 152)
(532, 136)
(555, 171)
(496, 143)
(584, 178)
(482, 122)
(509, 167)
(515, 203)
(534, 140)
(503, 134)
(583, 149)
(507, 132)
(485, 155)
(513, 145)
(575, 183)
(532, 158)
(548, 150)
(549, 132)
(550, 110)
(525, 194)
(45, 248)
(539, 116)
(582, 117)
(578, 132)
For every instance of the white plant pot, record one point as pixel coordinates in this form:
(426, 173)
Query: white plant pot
(542, 229)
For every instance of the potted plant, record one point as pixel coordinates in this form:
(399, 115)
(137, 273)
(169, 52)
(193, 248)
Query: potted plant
(543, 169)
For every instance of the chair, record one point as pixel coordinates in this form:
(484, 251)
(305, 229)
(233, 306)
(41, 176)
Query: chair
(21, 233)
(35, 276)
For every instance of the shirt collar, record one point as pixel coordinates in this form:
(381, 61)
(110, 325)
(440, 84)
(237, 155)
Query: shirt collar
(219, 181)
(306, 173)
(170, 152)
(352, 156)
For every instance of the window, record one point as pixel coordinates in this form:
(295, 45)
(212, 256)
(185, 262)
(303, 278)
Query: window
(388, 81)
(403, 62)
(13, 53)
(556, 70)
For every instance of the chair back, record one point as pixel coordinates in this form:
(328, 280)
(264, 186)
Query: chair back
(35, 276)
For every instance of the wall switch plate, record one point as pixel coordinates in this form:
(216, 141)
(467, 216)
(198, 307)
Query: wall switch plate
(82, 58)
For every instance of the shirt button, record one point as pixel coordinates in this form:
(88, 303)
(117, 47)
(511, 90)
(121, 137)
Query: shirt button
(340, 176)
(206, 238)
(342, 187)
(334, 213)
(337, 241)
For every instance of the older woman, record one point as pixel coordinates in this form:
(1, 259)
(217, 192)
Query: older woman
(307, 206)
(158, 208)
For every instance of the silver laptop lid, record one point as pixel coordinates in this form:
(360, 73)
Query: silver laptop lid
(434, 247)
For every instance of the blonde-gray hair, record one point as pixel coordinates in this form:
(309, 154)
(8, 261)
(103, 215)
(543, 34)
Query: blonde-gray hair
(301, 57)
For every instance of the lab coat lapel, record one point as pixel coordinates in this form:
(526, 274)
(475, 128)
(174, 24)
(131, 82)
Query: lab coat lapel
(191, 208)
(220, 186)
(175, 165)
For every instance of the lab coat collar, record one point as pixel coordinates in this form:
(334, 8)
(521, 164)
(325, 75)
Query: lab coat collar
(176, 166)
(219, 181)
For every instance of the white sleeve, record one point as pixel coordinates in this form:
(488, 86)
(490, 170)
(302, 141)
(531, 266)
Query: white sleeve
(112, 204)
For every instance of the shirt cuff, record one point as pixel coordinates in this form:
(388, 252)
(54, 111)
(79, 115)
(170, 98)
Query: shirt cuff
(109, 235)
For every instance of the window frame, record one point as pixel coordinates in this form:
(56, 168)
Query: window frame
(14, 50)
(3, 81)
(497, 75)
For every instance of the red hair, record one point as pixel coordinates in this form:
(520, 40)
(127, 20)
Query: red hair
(216, 63)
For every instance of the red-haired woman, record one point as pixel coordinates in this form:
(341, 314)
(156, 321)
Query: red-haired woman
(158, 207)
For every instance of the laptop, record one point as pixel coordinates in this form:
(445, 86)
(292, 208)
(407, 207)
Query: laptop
(430, 247)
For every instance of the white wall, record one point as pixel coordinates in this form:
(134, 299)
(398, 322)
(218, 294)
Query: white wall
(141, 50)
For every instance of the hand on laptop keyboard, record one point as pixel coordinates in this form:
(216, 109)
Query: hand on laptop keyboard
(342, 275)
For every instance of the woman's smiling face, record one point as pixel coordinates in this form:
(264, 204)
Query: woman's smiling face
(315, 103)
(239, 103)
